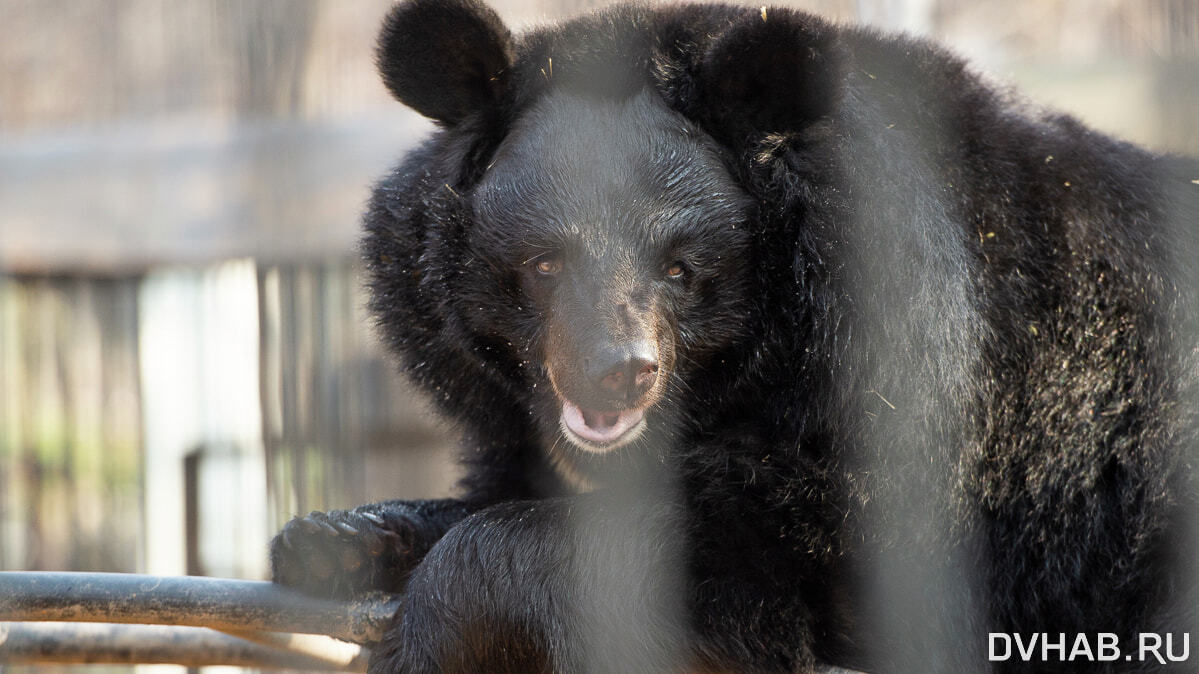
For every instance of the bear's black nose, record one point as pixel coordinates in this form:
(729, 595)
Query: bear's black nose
(627, 372)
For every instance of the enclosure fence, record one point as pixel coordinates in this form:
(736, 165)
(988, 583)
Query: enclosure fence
(114, 618)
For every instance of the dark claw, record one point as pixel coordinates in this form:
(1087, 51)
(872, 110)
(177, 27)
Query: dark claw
(346, 529)
(309, 526)
(375, 518)
(328, 528)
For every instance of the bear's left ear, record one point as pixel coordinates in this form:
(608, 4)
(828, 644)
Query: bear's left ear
(445, 59)
(773, 70)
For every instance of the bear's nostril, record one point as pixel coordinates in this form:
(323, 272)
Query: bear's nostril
(613, 383)
(646, 376)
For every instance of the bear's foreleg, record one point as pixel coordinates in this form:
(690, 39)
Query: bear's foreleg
(579, 583)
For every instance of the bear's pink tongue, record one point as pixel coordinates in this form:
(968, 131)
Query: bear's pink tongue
(599, 427)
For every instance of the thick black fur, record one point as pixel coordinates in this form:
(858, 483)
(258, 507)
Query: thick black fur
(927, 368)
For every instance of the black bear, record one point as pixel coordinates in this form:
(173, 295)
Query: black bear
(774, 344)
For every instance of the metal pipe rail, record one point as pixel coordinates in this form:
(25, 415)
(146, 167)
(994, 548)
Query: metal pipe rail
(103, 643)
(183, 620)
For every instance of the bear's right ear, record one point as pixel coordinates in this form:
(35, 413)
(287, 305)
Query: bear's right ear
(444, 58)
(773, 70)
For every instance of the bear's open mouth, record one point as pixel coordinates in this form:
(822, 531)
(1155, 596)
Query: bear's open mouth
(601, 430)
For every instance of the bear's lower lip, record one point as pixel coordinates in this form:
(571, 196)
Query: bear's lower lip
(600, 431)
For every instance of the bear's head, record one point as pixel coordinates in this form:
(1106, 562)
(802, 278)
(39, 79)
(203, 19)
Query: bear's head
(628, 239)
(587, 216)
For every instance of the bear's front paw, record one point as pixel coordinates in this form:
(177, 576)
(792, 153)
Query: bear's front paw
(341, 553)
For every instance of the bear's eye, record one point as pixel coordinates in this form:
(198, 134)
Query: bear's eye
(676, 270)
(549, 266)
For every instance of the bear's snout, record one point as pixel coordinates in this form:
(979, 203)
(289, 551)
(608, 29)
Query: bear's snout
(605, 384)
(625, 372)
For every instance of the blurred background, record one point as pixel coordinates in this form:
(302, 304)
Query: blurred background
(185, 359)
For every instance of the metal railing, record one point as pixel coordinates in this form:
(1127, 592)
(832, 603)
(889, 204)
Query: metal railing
(116, 618)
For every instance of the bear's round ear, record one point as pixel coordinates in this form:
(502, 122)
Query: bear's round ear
(774, 70)
(444, 58)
